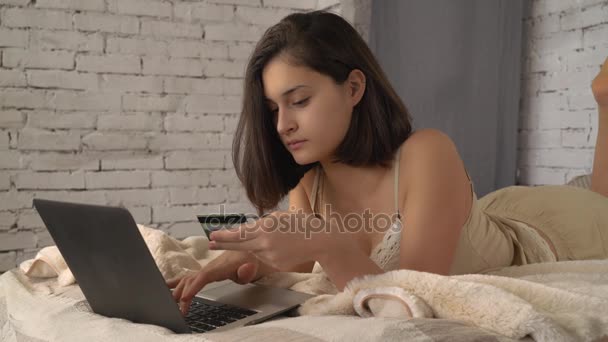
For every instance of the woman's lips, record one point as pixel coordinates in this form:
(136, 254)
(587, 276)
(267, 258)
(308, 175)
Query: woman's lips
(296, 144)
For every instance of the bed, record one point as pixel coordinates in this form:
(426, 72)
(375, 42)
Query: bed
(563, 301)
(40, 311)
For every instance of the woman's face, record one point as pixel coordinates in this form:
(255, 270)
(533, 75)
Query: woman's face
(309, 108)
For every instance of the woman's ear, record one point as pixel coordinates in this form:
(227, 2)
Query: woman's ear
(356, 86)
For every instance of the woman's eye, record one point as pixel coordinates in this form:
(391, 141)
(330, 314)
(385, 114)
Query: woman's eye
(302, 102)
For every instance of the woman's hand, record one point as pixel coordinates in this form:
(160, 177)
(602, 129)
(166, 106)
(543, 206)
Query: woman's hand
(284, 239)
(240, 267)
(599, 86)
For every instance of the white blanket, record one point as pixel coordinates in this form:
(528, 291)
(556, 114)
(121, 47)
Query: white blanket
(564, 301)
(173, 257)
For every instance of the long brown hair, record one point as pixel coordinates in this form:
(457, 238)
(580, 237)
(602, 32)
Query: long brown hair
(328, 44)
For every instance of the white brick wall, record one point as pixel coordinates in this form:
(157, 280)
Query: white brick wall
(126, 102)
(565, 42)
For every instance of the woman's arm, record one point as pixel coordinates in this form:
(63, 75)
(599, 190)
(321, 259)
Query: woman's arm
(438, 202)
(298, 201)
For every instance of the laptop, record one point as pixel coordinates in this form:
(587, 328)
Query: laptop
(110, 260)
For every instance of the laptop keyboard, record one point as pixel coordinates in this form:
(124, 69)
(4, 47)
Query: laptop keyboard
(203, 316)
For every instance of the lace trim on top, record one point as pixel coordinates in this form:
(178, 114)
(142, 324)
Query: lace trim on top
(385, 253)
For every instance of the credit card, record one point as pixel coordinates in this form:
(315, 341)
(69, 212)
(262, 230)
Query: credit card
(215, 222)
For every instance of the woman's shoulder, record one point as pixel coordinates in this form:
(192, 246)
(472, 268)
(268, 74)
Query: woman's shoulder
(429, 153)
(425, 139)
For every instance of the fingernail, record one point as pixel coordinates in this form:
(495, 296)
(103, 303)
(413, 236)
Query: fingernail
(211, 245)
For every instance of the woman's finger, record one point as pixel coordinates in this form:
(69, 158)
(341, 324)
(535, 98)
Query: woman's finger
(237, 234)
(177, 292)
(186, 298)
(193, 287)
(171, 283)
(246, 272)
(252, 245)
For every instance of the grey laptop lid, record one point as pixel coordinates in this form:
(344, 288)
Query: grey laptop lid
(106, 253)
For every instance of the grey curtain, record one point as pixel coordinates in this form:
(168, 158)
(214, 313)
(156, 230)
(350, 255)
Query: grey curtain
(456, 65)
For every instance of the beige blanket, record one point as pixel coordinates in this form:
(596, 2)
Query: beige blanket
(564, 301)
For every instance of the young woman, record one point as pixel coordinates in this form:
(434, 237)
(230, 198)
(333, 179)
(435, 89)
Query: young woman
(321, 123)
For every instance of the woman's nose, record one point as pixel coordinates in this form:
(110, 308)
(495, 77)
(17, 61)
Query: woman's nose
(285, 123)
